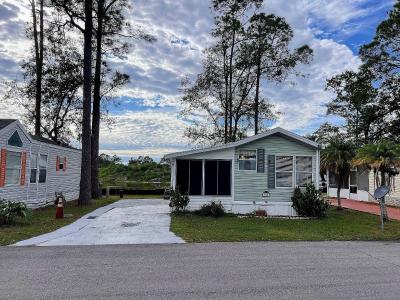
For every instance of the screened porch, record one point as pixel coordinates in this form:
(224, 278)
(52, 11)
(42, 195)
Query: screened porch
(204, 177)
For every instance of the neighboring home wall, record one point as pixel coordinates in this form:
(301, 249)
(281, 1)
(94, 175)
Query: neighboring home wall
(16, 192)
(366, 185)
(36, 194)
(360, 181)
(394, 196)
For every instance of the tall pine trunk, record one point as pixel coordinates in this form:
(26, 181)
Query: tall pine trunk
(257, 96)
(38, 45)
(96, 193)
(231, 86)
(85, 184)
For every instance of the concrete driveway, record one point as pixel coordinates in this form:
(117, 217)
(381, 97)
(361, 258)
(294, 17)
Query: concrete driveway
(139, 221)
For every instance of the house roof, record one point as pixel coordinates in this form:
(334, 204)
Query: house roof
(277, 130)
(50, 142)
(5, 122)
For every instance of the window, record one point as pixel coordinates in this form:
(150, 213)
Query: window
(13, 167)
(195, 177)
(189, 176)
(303, 170)
(61, 163)
(15, 140)
(284, 171)
(217, 178)
(224, 178)
(211, 177)
(34, 167)
(247, 160)
(42, 168)
(353, 182)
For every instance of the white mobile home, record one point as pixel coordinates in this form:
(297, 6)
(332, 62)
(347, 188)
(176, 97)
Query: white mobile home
(360, 186)
(33, 169)
(259, 172)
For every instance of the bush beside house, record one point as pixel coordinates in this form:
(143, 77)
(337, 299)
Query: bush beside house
(309, 203)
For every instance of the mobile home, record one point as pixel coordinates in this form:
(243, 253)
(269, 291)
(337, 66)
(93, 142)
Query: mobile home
(33, 169)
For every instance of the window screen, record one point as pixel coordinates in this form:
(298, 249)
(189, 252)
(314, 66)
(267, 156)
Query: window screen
(195, 174)
(303, 170)
(182, 175)
(224, 178)
(284, 171)
(211, 178)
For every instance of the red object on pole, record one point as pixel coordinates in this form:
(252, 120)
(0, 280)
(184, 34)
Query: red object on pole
(60, 209)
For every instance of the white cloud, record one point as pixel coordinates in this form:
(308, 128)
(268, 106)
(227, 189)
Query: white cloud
(143, 132)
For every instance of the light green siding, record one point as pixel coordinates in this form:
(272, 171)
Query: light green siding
(249, 185)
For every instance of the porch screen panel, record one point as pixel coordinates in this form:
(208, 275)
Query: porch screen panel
(182, 175)
(224, 178)
(211, 178)
(195, 174)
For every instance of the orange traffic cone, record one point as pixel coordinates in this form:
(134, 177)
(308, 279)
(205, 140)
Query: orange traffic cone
(60, 209)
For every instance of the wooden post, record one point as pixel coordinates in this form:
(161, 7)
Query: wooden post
(108, 192)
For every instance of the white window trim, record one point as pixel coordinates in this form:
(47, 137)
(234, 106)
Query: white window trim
(353, 185)
(294, 170)
(312, 169)
(238, 160)
(20, 166)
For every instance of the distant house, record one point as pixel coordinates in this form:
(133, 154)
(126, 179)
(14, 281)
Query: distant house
(32, 169)
(361, 184)
(259, 172)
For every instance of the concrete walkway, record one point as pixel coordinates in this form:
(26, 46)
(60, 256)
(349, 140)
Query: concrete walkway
(141, 221)
(369, 207)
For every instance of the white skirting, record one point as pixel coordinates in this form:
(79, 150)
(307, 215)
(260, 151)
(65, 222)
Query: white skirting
(242, 207)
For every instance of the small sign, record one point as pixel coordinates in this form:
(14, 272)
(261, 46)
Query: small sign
(266, 194)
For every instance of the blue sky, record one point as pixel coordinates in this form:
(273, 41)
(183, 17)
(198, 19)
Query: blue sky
(147, 114)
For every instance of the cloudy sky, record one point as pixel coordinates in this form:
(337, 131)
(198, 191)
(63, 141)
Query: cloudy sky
(147, 119)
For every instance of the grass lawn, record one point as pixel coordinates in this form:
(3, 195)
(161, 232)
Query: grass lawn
(342, 225)
(43, 219)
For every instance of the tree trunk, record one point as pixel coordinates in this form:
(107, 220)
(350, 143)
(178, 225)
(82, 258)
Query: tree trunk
(383, 206)
(257, 96)
(230, 85)
(339, 201)
(96, 193)
(226, 101)
(38, 45)
(85, 184)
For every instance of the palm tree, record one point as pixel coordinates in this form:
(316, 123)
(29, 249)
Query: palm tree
(383, 158)
(337, 159)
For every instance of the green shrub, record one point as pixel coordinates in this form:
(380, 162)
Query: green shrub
(177, 201)
(309, 202)
(211, 210)
(9, 211)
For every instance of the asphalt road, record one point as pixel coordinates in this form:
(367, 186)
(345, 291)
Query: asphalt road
(274, 270)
